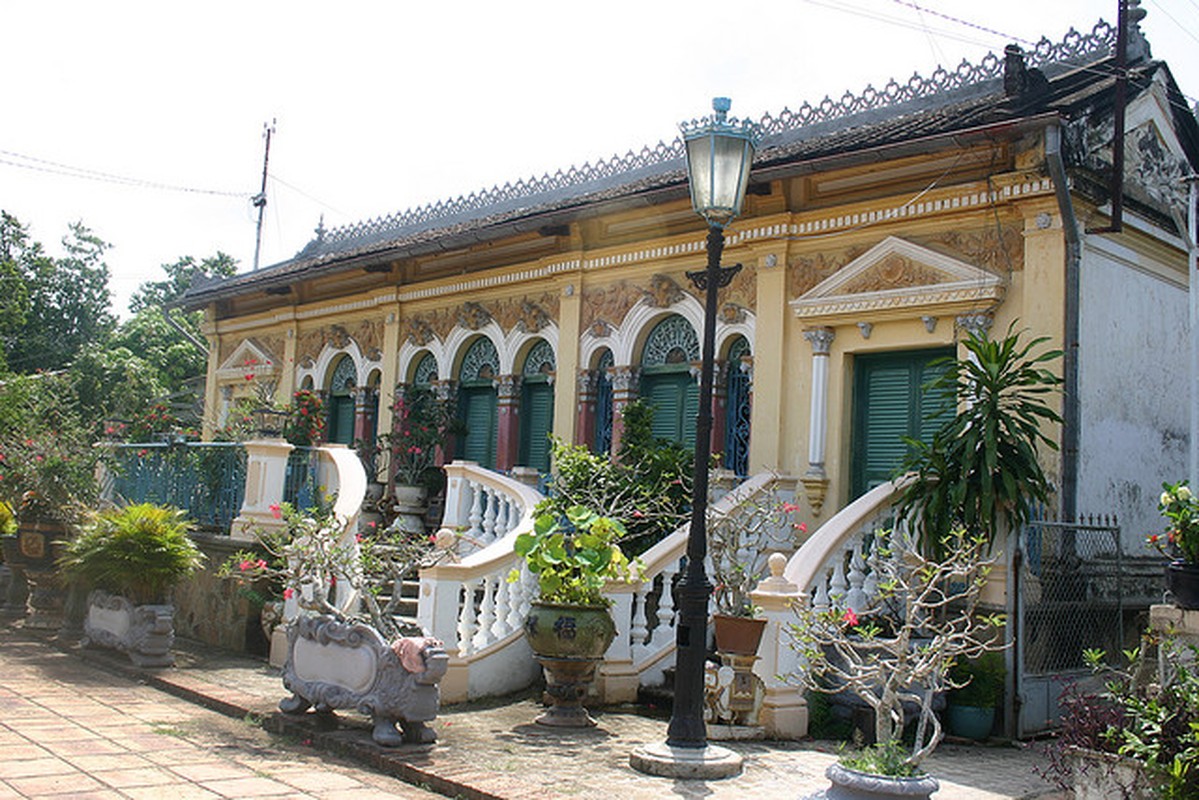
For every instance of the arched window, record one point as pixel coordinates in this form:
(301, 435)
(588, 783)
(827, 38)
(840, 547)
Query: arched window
(341, 401)
(426, 370)
(537, 406)
(736, 421)
(666, 380)
(601, 442)
(477, 402)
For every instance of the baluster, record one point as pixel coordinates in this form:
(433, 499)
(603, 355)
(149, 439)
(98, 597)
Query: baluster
(476, 511)
(870, 556)
(529, 590)
(503, 598)
(821, 601)
(855, 598)
(516, 600)
(486, 614)
(838, 585)
(664, 631)
(639, 632)
(468, 620)
(489, 516)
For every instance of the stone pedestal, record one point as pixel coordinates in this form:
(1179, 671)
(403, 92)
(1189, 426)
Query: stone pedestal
(266, 475)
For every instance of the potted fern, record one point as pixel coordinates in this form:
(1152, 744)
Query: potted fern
(131, 558)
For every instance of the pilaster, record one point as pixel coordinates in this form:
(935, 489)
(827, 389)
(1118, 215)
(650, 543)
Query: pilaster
(769, 352)
(507, 443)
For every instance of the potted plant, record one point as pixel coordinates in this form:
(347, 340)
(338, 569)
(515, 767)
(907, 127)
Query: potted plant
(1138, 736)
(130, 558)
(971, 709)
(569, 626)
(1180, 508)
(896, 655)
(422, 421)
(47, 476)
(347, 646)
(739, 548)
(305, 424)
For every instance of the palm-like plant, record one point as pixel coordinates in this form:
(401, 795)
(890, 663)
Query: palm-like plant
(981, 469)
(140, 551)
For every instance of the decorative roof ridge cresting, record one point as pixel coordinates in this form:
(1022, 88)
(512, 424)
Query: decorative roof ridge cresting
(1075, 47)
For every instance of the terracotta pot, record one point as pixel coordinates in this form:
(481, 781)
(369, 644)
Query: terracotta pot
(1182, 579)
(738, 635)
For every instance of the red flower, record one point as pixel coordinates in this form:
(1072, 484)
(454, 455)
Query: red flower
(245, 565)
(801, 527)
(850, 617)
(261, 564)
(276, 511)
(288, 592)
(790, 507)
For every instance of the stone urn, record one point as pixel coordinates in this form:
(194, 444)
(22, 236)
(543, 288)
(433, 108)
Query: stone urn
(410, 507)
(849, 784)
(145, 633)
(569, 641)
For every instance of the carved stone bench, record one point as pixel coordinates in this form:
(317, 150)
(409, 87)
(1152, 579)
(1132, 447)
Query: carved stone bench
(336, 665)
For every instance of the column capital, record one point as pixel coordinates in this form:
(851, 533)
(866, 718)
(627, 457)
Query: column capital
(507, 386)
(586, 380)
(624, 379)
(820, 339)
(977, 323)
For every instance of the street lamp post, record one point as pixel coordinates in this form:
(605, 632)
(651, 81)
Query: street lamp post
(720, 152)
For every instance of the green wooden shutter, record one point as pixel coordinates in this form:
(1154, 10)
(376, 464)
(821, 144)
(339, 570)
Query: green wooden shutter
(890, 404)
(341, 420)
(536, 423)
(478, 414)
(675, 399)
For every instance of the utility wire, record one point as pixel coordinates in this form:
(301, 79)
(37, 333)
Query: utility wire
(58, 168)
(275, 177)
(1174, 19)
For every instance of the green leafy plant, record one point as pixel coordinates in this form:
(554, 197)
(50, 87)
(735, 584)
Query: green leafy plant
(140, 551)
(421, 422)
(981, 469)
(573, 558)
(1180, 508)
(305, 426)
(886, 758)
(980, 680)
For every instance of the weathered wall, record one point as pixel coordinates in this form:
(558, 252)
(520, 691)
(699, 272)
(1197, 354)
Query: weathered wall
(1133, 385)
(214, 610)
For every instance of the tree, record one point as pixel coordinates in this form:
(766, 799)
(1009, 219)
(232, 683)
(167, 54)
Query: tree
(180, 275)
(18, 257)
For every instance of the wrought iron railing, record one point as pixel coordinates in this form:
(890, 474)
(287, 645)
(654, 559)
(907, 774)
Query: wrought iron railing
(206, 479)
(301, 487)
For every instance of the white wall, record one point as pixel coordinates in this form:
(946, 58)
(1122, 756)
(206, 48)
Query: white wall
(1134, 387)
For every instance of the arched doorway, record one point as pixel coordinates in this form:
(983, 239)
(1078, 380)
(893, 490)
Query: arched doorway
(537, 406)
(601, 440)
(477, 402)
(666, 381)
(737, 410)
(341, 401)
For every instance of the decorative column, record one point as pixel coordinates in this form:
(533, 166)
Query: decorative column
(266, 473)
(625, 382)
(720, 407)
(507, 438)
(815, 480)
(585, 407)
(444, 390)
(784, 712)
(362, 396)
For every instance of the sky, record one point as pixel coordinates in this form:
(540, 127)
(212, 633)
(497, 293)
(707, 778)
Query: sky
(383, 106)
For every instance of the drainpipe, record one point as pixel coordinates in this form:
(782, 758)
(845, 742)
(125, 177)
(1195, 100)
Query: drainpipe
(1193, 290)
(1070, 406)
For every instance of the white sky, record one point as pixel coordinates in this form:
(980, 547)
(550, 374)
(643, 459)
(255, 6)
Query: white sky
(382, 106)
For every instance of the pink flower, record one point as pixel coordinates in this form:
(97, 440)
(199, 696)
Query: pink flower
(276, 511)
(358, 537)
(801, 527)
(850, 617)
(637, 514)
(332, 580)
(790, 507)
(288, 593)
(261, 564)
(245, 565)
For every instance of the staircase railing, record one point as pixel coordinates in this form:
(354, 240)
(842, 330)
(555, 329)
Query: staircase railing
(467, 601)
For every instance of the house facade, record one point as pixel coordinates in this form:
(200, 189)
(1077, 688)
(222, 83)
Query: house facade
(877, 230)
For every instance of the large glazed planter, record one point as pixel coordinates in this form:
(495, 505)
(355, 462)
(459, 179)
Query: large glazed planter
(333, 664)
(849, 784)
(569, 641)
(32, 552)
(970, 722)
(145, 633)
(1182, 579)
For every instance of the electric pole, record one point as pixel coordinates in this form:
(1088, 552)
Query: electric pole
(259, 200)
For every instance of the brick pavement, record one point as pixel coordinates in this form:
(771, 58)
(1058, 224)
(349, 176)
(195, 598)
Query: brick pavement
(493, 750)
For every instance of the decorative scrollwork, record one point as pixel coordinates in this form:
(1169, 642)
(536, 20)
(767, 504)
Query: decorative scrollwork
(540, 360)
(672, 341)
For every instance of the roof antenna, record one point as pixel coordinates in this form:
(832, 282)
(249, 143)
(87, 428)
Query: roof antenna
(259, 200)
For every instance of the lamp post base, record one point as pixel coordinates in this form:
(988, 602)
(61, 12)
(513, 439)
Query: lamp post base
(710, 762)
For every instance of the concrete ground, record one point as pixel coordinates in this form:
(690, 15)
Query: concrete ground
(86, 723)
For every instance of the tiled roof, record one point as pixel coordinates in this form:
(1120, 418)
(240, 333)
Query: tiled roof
(1065, 77)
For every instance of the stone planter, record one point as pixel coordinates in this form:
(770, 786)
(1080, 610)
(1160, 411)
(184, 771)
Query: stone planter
(849, 784)
(410, 509)
(1099, 776)
(738, 635)
(333, 664)
(145, 633)
(569, 641)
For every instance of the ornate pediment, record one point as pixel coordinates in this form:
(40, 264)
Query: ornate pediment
(897, 279)
(249, 360)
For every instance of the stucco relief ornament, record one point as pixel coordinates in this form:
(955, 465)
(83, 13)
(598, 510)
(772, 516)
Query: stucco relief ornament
(663, 292)
(601, 329)
(420, 332)
(473, 316)
(732, 314)
(532, 318)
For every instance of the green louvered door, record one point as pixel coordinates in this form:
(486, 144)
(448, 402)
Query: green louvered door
(675, 399)
(537, 421)
(889, 405)
(477, 412)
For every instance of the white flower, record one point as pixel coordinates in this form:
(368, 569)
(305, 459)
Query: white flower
(1184, 493)
(1166, 499)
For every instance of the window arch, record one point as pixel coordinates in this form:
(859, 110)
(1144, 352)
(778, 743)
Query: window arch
(737, 409)
(666, 380)
(341, 401)
(426, 370)
(602, 439)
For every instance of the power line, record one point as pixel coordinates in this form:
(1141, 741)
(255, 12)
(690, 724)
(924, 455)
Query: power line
(1173, 19)
(67, 170)
(275, 177)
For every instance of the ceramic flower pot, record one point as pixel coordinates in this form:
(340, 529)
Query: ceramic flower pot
(738, 635)
(569, 641)
(849, 784)
(32, 553)
(410, 508)
(1182, 579)
(970, 722)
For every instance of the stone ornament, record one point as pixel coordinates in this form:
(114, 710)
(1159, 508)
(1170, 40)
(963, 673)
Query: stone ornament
(144, 633)
(333, 664)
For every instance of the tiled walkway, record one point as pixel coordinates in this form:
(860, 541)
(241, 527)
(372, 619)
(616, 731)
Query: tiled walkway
(77, 727)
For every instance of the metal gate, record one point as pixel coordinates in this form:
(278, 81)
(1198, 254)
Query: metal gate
(1070, 597)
